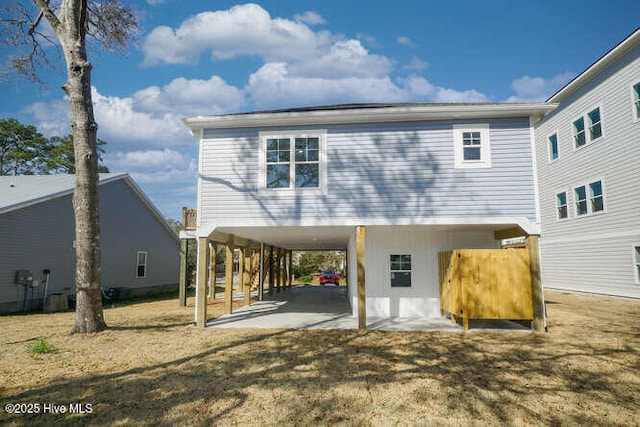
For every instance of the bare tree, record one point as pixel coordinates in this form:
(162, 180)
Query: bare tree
(111, 23)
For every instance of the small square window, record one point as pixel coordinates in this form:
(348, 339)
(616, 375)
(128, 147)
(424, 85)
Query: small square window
(400, 269)
(581, 200)
(471, 146)
(553, 147)
(561, 201)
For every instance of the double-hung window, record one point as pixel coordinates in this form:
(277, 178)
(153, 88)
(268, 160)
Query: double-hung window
(141, 265)
(471, 146)
(636, 259)
(588, 128)
(589, 199)
(400, 269)
(561, 203)
(636, 101)
(293, 160)
(553, 147)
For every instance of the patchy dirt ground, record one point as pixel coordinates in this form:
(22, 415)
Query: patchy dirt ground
(153, 367)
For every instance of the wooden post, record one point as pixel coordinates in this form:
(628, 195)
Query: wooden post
(213, 248)
(228, 275)
(246, 281)
(271, 281)
(362, 295)
(278, 269)
(261, 273)
(182, 292)
(537, 296)
(201, 282)
(241, 253)
(290, 268)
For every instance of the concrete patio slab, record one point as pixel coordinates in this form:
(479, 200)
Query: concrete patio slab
(326, 307)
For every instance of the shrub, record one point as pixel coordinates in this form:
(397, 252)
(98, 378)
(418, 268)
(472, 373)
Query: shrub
(41, 347)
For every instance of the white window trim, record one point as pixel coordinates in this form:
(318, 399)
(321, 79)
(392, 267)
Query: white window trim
(636, 273)
(586, 184)
(146, 262)
(262, 160)
(485, 146)
(557, 134)
(634, 112)
(587, 134)
(555, 204)
(413, 268)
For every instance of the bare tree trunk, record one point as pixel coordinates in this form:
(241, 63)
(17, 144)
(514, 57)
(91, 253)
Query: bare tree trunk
(72, 33)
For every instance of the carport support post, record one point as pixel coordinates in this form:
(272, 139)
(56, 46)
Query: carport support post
(278, 269)
(290, 278)
(201, 282)
(213, 249)
(537, 296)
(228, 275)
(271, 270)
(246, 281)
(184, 251)
(261, 273)
(362, 296)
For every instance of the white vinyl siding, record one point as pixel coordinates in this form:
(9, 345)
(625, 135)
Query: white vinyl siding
(378, 171)
(601, 260)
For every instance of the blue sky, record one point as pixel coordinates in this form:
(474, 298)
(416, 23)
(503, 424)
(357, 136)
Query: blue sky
(211, 57)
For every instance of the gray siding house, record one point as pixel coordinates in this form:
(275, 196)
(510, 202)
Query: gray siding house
(421, 178)
(140, 251)
(588, 152)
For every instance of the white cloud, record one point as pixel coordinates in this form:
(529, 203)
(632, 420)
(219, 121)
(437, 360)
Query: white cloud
(242, 30)
(51, 118)
(155, 2)
(345, 59)
(190, 97)
(406, 41)
(273, 86)
(310, 18)
(416, 64)
(532, 89)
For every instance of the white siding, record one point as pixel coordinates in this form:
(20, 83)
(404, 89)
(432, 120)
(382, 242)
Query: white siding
(593, 253)
(398, 171)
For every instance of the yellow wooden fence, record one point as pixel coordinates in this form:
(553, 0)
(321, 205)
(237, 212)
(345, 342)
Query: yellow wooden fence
(485, 284)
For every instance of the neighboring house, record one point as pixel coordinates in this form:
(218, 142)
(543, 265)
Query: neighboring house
(420, 178)
(140, 251)
(588, 152)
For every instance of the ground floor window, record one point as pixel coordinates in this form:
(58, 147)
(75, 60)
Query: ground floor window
(400, 269)
(141, 265)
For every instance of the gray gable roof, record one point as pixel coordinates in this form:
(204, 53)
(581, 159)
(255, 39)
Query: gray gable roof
(20, 191)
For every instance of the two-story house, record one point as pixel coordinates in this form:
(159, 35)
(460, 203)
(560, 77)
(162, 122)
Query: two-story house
(588, 164)
(391, 184)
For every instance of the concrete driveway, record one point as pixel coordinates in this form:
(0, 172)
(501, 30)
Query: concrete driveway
(317, 307)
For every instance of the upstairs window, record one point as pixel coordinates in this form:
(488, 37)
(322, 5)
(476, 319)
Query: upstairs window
(471, 146)
(292, 161)
(588, 128)
(579, 135)
(636, 101)
(400, 268)
(553, 147)
(561, 202)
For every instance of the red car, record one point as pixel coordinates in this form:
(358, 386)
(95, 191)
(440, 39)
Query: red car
(329, 276)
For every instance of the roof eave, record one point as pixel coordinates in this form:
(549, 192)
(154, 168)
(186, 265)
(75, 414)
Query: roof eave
(365, 115)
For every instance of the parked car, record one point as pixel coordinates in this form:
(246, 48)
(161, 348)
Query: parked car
(329, 276)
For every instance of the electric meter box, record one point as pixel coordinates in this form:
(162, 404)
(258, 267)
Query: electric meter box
(24, 277)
